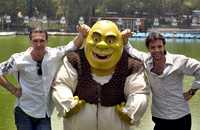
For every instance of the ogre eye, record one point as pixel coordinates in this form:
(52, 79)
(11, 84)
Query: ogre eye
(96, 37)
(110, 39)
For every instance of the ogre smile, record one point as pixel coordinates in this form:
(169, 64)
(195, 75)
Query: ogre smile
(102, 56)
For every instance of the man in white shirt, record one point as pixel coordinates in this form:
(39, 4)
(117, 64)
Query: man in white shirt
(34, 70)
(165, 72)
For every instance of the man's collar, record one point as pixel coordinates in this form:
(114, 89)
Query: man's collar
(169, 59)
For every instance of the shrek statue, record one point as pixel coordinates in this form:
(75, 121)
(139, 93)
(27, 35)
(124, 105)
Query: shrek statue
(100, 87)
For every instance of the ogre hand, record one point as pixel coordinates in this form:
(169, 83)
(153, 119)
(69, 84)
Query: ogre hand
(122, 115)
(79, 104)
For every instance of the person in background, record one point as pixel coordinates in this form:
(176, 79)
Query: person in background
(165, 72)
(34, 70)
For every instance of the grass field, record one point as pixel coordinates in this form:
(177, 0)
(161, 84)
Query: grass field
(10, 45)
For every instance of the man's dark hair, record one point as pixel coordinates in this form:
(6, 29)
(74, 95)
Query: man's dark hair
(154, 36)
(38, 30)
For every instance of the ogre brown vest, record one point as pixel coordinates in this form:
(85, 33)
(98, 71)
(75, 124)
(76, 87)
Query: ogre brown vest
(109, 94)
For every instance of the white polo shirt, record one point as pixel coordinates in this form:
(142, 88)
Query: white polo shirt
(35, 88)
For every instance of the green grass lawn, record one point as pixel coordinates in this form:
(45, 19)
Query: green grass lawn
(10, 45)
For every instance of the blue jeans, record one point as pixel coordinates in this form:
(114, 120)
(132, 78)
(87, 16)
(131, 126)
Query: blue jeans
(26, 122)
(183, 123)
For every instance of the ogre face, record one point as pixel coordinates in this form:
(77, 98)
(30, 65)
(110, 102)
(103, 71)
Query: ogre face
(104, 45)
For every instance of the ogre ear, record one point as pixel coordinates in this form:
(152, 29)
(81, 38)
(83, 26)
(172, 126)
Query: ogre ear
(126, 34)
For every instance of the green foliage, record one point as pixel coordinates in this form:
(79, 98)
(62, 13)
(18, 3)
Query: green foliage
(73, 9)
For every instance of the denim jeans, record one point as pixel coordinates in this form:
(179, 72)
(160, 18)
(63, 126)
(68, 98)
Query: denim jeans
(26, 122)
(183, 123)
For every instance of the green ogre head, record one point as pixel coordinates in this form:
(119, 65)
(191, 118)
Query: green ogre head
(103, 47)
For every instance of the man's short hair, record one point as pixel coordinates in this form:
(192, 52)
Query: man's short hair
(154, 36)
(38, 30)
